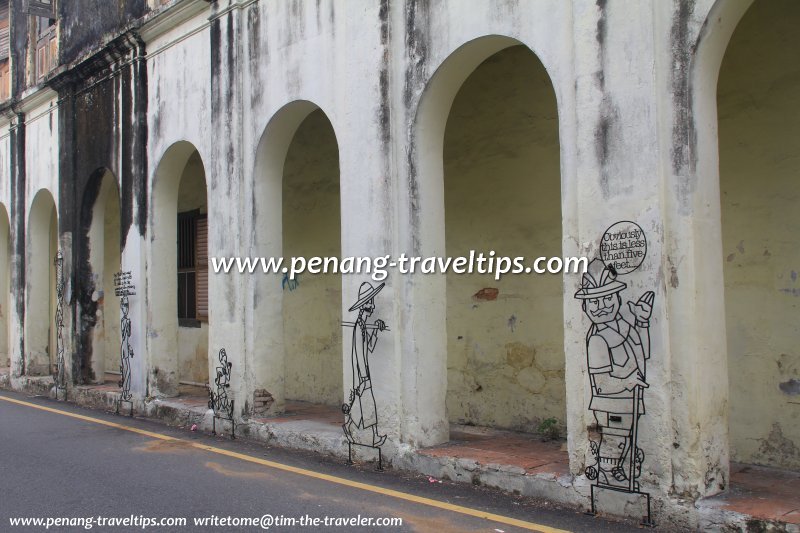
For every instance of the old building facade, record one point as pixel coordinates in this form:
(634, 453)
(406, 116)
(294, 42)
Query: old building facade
(153, 135)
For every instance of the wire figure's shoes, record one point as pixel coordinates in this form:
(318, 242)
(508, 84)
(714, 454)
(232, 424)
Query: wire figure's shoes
(380, 440)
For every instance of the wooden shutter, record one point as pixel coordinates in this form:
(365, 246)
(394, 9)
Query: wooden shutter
(202, 268)
(4, 30)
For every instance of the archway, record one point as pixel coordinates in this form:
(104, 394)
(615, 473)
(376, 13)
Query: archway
(426, 357)
(178, 277)
(758, 98)
(312, 228)
(296, 349)
(100, 218)
(505, 338)
(41, 249)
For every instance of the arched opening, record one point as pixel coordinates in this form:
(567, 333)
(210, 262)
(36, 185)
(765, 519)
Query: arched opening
(41, 249)
(100, 217)
(5, 286)
(502, 195)
(758, 97)
(297, 346)
(311, 228)
(178, 277)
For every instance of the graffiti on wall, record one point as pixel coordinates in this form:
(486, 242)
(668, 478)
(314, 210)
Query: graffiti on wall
(617, 352)
(361, 412)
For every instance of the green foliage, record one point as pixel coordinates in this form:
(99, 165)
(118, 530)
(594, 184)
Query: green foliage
(548, 429)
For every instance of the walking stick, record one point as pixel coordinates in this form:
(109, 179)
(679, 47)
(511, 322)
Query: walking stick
(637, 394)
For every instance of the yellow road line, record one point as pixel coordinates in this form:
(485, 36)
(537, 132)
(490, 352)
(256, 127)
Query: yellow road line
(303, 472)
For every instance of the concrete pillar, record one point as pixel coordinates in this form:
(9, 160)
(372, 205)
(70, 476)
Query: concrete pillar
(224, 179)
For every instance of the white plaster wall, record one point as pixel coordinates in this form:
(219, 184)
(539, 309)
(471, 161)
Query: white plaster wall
(613, 73)
(320, 49)
(41, 154)
(178, 65)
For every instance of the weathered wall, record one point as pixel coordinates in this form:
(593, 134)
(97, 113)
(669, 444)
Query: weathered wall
(311, 228)
(234, 81)
(80, 33)
(178, 107)
(41, 194)
(7, 321)
(502, 194)
(759, 138)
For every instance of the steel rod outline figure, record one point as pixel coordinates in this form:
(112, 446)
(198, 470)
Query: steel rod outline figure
(617, 353)
(362, 400)
(123, 287)
(59, 372)
(219, 401)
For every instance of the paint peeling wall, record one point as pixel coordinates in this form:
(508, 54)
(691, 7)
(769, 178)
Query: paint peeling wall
(759, 139)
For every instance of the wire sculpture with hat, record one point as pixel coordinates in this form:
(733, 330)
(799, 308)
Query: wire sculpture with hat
(361, 412)
(617, 352)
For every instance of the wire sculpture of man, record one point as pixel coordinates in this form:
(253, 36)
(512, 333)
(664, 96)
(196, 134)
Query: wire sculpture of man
(126, 352)
(361, 412)
(617, 353)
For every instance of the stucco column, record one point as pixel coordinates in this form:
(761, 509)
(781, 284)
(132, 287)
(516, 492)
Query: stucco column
(618, 178)
(224, 189)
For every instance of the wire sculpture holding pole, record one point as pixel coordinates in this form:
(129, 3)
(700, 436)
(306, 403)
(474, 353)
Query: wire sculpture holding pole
(617, 351)
(123, 288)
(218, 401)
(59, 370)
(361, 413)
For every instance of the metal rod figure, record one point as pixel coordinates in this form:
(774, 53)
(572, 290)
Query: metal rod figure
(617, 352)
(124, 288)
(218, 401)
(361, 413)
(59, 371)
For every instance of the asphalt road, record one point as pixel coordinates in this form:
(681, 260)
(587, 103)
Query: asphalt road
(56, 466)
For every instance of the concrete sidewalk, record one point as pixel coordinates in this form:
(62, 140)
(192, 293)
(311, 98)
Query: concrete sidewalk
(759, 498)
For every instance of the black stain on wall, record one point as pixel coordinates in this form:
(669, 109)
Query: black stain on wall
(17, 215)
(385, 104)
(254, 53)
(417, 45)
(600, 36)
(102, 126)
(84, 24)
(684, 135)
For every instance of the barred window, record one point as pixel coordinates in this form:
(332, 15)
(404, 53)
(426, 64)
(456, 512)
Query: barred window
(192, 268)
